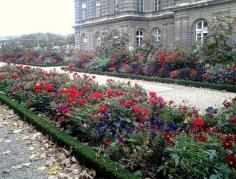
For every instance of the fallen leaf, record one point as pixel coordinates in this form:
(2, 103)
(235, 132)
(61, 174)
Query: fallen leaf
(7, 141)
(16, 167)
(55, 168)
(26, 164)
(41, 168)
(6, 153)
(17, 131)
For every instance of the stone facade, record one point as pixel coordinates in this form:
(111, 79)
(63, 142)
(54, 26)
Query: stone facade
(173, 22)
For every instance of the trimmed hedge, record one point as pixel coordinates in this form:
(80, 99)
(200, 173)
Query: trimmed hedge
(225, 87)
(104, 166)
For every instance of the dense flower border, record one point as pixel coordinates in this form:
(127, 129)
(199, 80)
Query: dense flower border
(141, 131)
(162, 63)
(223, 87)
(33, 57)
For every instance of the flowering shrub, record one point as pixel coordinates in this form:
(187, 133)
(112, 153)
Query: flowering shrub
(31, 56)
(139, 130)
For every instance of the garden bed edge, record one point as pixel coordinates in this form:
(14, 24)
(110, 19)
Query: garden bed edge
(104, 166)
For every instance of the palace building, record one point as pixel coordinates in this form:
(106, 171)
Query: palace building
(173, 23)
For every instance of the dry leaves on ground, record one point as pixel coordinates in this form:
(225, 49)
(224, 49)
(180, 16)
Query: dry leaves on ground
(57, 161)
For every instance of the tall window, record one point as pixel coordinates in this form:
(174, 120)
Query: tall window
(157, 34)
(139, 37)
(97, 39)
(84, 7)
(201, 31)
(116, 6)
(97, 8)
(157, 5)
(140, 5)
(84, 42)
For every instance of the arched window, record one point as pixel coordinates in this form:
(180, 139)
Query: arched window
(201, 31)
(157, 34)
(140, 5)
(139, 37)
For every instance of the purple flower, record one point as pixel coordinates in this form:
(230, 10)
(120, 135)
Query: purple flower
(159, 123)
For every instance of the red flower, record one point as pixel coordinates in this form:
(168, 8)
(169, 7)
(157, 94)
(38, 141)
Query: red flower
(97, 95)
(49, 87)
(201, 138)
(82, 101)
(231, 160)
(227, 144)
(104, 107)
(153, 94)
(198, 122)
(142, 120)
(234, 66)
(108, 143)
(37, 88)
(71, 100)
(232, 119)
(137, 109)
(168, 136)
(122, 101)
(145, 112)
(128, 103)
(110, 93)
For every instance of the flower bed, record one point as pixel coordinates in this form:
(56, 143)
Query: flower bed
(142, 132)
(175, 64)
(32, 57)
(224, 87)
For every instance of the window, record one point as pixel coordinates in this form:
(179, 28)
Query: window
(157, 34)
(140, 5)
(116, 6)
(97, 40)
(84, 6)
(97, 8)
(157, 5)
(201, 31)
(84, 42)
(139, 37)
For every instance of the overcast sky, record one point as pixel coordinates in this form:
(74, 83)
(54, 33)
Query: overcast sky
(19, 17)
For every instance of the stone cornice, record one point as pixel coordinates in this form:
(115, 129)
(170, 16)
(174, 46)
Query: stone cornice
(201, 3)
(146, 17)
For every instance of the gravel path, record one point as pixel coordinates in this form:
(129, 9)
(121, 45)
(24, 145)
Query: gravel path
(27, 154)
(195, 97)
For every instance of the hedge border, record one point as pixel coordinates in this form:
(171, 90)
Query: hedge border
(224, 87)
(104, 166)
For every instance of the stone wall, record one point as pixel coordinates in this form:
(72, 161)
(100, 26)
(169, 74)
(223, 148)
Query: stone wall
(176, 20)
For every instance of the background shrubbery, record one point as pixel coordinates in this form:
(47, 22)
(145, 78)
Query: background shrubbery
(214, 61)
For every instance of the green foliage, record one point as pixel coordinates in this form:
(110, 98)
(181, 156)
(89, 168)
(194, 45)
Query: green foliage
(224, 117)
(170, 114)
(218, 46)
(98, 64)
(113, 44)
(196, 159)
